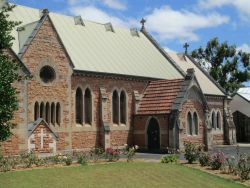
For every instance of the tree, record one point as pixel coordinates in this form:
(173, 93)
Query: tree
(227, 65)
(8, 74)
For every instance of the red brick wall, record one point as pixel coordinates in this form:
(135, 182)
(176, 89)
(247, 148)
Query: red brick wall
(85, 139)
(46, 49)
(119, 134)
(193, 106)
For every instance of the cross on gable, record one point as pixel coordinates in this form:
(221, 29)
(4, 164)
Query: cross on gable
(186, 45)
(42, 135)
(143, 21)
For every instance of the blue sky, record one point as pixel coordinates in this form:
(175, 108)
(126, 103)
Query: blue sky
(172, 22)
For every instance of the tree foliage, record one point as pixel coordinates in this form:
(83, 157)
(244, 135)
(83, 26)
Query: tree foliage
(8, 74)
(227, 65)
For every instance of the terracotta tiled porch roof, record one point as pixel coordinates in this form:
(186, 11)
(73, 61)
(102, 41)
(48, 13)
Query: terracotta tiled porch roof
(159, 96)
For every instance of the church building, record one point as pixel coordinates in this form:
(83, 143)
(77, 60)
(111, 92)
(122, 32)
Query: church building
(97, 85)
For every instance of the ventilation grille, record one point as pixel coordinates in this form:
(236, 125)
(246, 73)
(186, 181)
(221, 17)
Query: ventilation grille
(78, 20)
(109, 27)
(134, 32)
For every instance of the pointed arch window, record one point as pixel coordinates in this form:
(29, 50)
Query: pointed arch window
(115, 107)
(53, 113)
(42, 110)
(218, 120)
(123, 106)
(88, 106)
(214, 120)
(58, 113)
(189, 123)
(47, 113)
(79, 106)
(36, 111)
(195, 124)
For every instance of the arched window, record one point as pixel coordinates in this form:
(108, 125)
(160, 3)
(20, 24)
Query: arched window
(53, 113)
(189, 124)
(218, 120)
(115, 107)
(58, 114)
(79, 106)
(42, 110)
(123, 107)
(195, 123)
(47, 113)
(88, 106)
(213, 120)
(36, 111)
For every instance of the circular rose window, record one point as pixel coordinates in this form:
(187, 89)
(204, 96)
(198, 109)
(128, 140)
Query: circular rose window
(47, 74)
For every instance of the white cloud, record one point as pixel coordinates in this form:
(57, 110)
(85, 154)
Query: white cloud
(167, 23)
(242, 6)
(115, 4)
(244, 48)
(94, 14)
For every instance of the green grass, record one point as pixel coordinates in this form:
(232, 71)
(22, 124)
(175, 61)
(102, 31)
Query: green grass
(131, 175)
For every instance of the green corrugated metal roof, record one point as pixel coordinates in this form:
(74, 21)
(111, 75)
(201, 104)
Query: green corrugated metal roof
(92, 48)
(207, 86)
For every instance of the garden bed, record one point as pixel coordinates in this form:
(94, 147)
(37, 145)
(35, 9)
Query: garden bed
(219, 173)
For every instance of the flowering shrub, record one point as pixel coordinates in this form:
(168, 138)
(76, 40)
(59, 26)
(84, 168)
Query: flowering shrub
(57, 159)
(68, 159)
(232, 164)
(5, 164)
(244, 167)
(169, 158)
(112, 154)
(192, 151)
(129, 152)
(81, 158)
(217, 160)
(28, 159)
(204, 159)
(96, 153)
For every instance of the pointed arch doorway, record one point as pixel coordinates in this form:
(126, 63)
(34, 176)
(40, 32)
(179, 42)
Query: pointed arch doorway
(153, 135)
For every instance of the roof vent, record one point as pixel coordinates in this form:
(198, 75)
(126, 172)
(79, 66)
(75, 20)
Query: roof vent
(134, 32)
(109, 27)
(78, 20)
(43, 12)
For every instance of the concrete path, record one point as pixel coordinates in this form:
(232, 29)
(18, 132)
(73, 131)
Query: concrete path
(232, 149)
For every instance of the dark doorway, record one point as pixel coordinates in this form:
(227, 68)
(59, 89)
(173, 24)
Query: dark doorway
(153, 134)
(242, 123)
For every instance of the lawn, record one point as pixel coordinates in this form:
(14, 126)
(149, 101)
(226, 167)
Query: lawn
(132, 175)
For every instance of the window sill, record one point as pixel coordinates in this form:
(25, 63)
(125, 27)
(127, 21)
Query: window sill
(87, 125)
(78, 125)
